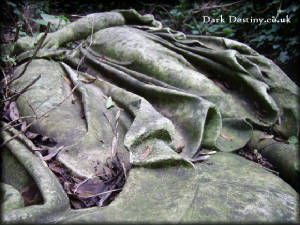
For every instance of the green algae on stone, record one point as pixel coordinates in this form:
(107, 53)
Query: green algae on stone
(170, 90)
(285, 157)
(13, 173)
(227, 189)
(55, 200)
(10, 198)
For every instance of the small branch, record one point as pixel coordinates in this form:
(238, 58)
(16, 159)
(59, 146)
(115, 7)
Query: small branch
(91, 42)
(34, 54)
(22, 138)
(279, 9)
(105, 192)
(27, 24)
(114, 143)
(8, 125)
(43, 115)
(52, 154)
(23, 90)
(164, 9)
(109, 122)
(30, 107)
(270, 170)
(215, 7)
(17, 33)
(6, 81)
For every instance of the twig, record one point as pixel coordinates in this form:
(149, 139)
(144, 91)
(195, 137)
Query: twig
(17, 33)
(27, 24)
(279, 9)
(91, 42)
(22, 137)
(114, 129)
(52, 154)
(163, 8)
(273, 171)
(43, 115)
(31, 107)
(124, 170)
(34, 54)
(10, 122)
(261, 11)
(105, 192)
(109, 122)
(215, 7)
(200, 158)
(81, 183)
(23, 90)
(6, 81)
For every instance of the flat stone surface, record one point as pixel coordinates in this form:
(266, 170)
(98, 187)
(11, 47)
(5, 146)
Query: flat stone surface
(227, 188)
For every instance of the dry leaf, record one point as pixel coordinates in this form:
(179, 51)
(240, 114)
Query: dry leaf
(31, 135)
(266, 137)
(281, 140)
(90, 188)
(179, 148)
(200, 158)
(23, 126)
(52, 154)
(114, 146)
(208, 153)
(220, 85)
(31, 195)
(56, 168)
(76, 204)
(226, 137)
(13, 111)
(146, 153)
(88, 80)
(67, 80)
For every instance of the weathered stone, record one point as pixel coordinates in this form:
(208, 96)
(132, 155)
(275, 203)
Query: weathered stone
(170, 90)
(10, 198)
(284, 156)
(13, 172)
(227, 188)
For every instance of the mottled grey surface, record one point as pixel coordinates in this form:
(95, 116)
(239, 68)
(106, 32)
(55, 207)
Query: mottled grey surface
(169, 90)
(10, 198)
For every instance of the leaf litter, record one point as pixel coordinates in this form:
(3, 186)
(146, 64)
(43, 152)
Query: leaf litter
(99, 190)
(82, 192)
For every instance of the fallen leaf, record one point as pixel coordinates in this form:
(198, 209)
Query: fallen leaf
(53, 153)
(179, 148)
(146, 153)
(55, 167)
(76, 204)
(266, 137)
(68, 187)
(109, 103)
(281, 140)
(88, 80)
(13, 111)
(31, 195)
(208, 153)
(226, 137)
(90, 188)
(200, 158)
(31, 135)
(220, 85)
(67, 80)
(23, 126)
